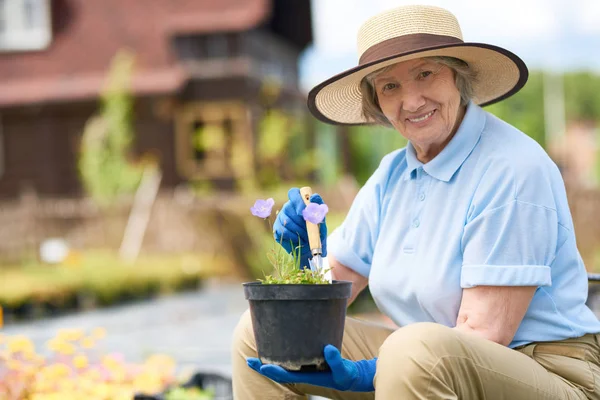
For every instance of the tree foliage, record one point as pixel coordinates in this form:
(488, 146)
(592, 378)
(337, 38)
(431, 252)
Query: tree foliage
(525, 110)
(104, 164)
(582, 96)
(368, 145)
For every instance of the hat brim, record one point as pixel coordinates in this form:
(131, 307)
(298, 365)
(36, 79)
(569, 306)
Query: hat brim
(500, 74)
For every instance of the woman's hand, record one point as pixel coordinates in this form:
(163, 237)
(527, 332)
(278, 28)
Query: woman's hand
(289, 229)
(345, 375)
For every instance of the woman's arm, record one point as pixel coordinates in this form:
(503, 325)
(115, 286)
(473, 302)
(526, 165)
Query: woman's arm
(342, 273)
(494, 312)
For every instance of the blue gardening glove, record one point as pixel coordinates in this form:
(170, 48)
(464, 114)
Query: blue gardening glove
(289, 229)
(345, 375)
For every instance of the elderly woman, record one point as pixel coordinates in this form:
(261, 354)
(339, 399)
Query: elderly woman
(464, 237)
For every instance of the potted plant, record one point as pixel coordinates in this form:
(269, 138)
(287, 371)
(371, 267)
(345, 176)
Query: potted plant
(296, 311)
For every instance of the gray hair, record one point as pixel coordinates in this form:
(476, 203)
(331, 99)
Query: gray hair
(464, 78)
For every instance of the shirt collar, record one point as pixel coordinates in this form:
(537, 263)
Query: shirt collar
(445, 164)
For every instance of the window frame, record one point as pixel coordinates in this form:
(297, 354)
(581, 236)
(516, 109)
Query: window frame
(218, 164)
(15, 35)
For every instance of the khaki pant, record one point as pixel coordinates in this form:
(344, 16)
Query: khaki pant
(431, 361)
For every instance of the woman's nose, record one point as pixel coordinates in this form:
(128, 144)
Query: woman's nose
(413, 101)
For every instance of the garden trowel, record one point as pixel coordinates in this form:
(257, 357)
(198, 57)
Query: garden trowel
(314, 238)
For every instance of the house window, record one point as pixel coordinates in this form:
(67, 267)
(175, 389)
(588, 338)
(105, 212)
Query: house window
(217, 46)
(24, 25)
(213, 46)
(213, 140)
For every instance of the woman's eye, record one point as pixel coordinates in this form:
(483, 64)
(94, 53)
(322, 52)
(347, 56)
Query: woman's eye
(425, 74)
(388, 86)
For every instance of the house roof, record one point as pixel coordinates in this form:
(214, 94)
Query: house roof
(88, 33)
(80, 87)
(186, 17)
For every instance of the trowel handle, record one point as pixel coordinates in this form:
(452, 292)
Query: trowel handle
(314, 239)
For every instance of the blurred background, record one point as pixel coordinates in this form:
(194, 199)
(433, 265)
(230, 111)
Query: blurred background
(135, 136)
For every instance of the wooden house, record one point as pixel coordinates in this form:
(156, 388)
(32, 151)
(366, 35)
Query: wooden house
(199, 64)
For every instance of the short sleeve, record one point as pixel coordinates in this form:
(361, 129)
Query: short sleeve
(510, 245)
(352, 244)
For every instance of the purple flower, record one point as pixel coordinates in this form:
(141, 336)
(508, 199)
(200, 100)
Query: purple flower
(262, 208)
(315, 213)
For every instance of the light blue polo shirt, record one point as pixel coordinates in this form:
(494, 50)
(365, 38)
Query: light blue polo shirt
(490, 209)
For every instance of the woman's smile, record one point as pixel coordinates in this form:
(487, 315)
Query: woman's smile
(421, 120)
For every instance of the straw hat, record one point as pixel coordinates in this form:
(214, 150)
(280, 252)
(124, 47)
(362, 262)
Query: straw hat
(406, 33)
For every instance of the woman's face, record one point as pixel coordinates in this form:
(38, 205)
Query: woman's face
(420, 99)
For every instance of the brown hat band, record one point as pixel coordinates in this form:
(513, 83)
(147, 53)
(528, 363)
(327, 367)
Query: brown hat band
(405, 44)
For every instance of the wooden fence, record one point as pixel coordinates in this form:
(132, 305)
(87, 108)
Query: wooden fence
(177, 225)
(181, 222)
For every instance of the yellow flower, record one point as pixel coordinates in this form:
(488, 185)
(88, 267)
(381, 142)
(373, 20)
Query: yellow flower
(118, 374)
(31, 357)
(73, 259)
(85, 383)
(56, 371)
(88, 342)
(101, 391)
(38, 360)
(29, 370)
(66, 348)
(92, 375)
(80, 361)
(40, 396)
(66, 385)
(148, 381)
(14, 365)
(99, 333)
(160, 362)
(70, 335)
(122, 392)
(42, 384)
(20, 344)
(54, 344)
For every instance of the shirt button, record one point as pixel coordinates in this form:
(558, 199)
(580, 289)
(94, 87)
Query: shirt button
(422, 196)
(416, 223)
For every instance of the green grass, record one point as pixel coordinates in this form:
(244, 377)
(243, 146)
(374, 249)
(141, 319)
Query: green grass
(105, 277)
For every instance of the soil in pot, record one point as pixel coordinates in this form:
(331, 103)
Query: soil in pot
(293, 323)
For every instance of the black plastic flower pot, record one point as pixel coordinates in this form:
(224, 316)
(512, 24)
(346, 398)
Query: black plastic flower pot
(293, 323)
